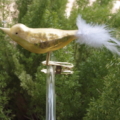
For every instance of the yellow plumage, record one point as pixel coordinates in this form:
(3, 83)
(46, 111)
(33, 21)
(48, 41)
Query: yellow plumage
(40, 40)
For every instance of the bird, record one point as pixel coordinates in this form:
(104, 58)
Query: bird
(40, 40)
(45, 40)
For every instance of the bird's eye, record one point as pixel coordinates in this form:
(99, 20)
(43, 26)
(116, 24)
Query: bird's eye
(16, 33)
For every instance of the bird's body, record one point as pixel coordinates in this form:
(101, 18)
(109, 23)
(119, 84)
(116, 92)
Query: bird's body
(43, 40)
(40, 40)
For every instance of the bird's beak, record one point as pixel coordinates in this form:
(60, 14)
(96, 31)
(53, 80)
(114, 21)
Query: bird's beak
(6, 30)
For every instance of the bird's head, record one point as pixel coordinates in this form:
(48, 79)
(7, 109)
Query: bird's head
(18, 30)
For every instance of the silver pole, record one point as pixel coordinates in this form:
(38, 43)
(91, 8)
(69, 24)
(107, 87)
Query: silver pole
(53, 66)
(50, 94)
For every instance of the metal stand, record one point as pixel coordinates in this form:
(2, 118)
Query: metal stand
(53, 68)
(50, 94)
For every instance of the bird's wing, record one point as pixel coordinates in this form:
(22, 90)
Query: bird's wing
(48, 38)
(62, 44)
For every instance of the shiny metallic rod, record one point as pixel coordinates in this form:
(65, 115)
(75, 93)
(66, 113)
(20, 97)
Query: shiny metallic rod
(50, 94)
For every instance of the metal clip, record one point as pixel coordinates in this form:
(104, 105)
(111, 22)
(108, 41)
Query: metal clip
(60, 67)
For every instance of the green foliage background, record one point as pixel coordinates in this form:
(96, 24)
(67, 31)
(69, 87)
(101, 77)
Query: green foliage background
(91, 93)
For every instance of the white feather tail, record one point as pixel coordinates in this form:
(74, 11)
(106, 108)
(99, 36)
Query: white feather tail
(96, 36)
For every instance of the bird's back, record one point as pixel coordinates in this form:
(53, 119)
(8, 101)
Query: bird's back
(50, 38)
(48, 34)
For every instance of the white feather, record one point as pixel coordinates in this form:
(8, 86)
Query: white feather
(96, 36)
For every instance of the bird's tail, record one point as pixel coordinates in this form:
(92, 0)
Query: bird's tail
(96, 36)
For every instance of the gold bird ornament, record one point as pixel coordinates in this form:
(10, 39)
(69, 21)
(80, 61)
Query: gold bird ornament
(43, 40)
